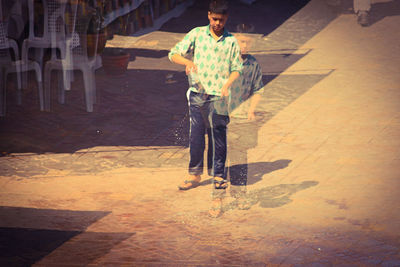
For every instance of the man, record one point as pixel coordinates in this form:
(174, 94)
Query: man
(216, 64)
(361, 8)
(246, 93)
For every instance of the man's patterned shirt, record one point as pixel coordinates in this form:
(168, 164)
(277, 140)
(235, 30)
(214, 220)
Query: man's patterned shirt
(215, 59)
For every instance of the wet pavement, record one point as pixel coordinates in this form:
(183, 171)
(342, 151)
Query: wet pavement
(100, 189)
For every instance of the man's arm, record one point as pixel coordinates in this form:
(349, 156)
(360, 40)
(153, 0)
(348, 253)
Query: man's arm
(257, 91)
(178, 59)
(255, 99)
(182, 49)
(232, 77)
(235, 68)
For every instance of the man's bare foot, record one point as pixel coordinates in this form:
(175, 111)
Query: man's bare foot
(216, 208)
(192, 182)
(243, 203)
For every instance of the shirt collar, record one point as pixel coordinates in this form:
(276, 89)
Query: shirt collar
(225, 34)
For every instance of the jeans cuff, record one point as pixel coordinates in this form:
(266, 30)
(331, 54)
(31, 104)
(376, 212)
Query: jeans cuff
(195, 171)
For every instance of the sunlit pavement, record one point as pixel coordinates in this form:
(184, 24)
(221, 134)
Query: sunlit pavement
(322, 159)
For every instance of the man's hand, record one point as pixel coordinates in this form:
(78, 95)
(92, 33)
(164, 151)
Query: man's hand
(225, 91)
(253, 104)
(190, 66)
(251, 116)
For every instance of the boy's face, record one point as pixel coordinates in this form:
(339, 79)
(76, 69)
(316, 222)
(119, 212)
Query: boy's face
(245, 42)
(217, 21)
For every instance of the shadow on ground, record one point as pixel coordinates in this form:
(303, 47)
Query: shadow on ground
(272, 196)
(253, 172)
(28, 235)
(258, 170)
(380, 11)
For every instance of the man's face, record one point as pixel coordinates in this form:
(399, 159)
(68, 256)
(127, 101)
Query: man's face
(217, 21)
(245, 42)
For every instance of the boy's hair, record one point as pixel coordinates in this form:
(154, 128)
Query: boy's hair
(218, 7)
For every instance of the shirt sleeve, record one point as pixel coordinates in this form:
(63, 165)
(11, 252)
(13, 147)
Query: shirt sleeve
(258, 85)
(236, 59)
(185, 46)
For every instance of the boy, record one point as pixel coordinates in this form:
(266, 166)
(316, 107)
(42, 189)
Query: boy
(246, 91)
(216, 64)
(245, 95)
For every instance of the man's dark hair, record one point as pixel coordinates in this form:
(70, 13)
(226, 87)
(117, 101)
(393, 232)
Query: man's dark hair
(218, 7)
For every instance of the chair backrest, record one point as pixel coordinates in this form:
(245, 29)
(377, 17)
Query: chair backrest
(77, 31)
(55, 11)
(4, 45)
(53, 18)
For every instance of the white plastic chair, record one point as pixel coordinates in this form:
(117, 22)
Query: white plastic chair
(7, 66)
(76, 58)
(53, 30)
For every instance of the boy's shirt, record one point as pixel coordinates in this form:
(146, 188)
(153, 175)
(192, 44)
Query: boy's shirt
(248, 84)
(215, 59)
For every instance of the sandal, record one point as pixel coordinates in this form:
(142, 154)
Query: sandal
(220, 183)
(189, 184)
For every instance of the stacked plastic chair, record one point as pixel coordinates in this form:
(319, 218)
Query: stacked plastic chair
(53, 30)
(8, 65)
(76, 58)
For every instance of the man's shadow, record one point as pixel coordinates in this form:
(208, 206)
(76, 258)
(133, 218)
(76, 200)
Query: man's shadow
(248, 174)
(271, 196)
(239, 174)
(381, 10)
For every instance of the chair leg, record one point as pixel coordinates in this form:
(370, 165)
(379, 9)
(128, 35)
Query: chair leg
(94, 87)
(88, 81)
(68, 74)
(24, 58)
(47, 87)
(40, 85)
(19, 77)
(14, 46)
(69, 78)
(61, 90)
(41, 100)
(66, 80)
(39, 57)
(3, 89)
(19, 88)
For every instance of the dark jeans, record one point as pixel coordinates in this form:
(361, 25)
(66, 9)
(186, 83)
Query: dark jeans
(206, 116)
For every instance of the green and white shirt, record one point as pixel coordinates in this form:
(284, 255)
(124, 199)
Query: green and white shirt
(215, 59)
